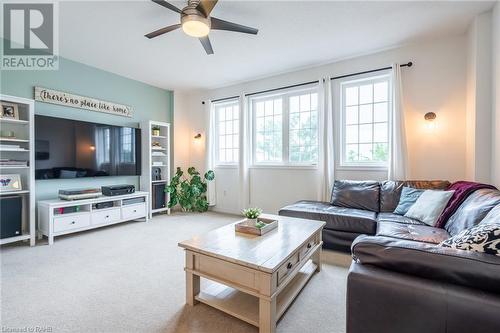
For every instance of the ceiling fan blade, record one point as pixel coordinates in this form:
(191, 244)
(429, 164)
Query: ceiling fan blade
(205, 41)
(162, 31)
(218, 24)
(206, 6)
(167, 5)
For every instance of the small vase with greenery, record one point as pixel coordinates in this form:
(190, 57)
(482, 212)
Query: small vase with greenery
(252, 215)
(189, 191)
(156, 130)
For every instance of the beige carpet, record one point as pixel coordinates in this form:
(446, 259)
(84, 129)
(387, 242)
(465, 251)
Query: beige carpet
(130, 278)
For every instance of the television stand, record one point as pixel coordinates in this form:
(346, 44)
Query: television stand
(60, 217)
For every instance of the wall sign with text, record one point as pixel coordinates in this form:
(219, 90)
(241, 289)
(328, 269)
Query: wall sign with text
(82, 102)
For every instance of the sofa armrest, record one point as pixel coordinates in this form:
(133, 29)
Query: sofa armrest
(466, 268)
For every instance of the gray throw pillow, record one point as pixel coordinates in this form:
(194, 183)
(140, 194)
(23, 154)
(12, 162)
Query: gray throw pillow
(408, 197)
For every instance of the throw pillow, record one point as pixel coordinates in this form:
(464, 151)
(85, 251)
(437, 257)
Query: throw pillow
(408, 197)
(481, 238)
(429, 206)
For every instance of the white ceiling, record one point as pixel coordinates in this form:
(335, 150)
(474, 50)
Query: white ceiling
(292, 34)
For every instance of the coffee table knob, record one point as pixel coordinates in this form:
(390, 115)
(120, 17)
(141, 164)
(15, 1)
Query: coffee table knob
(289, 265)
(309, 245)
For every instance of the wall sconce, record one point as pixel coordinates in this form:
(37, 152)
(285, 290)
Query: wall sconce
(92, 147)
(197, 136)
(430, 118)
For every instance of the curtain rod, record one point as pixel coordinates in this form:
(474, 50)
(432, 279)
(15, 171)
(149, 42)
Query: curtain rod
(281, 88)
(409, 64)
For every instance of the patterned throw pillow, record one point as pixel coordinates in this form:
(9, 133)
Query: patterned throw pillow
(481, 238)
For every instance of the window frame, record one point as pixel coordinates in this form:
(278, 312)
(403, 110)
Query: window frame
(340, 93)
(218, 163)
(285, 95)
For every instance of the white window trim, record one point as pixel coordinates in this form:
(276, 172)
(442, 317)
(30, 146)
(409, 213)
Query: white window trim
(339, 92)
(218, 163)
(285, 163)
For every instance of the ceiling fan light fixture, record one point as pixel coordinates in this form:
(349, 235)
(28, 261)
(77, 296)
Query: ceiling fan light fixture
(195, 26)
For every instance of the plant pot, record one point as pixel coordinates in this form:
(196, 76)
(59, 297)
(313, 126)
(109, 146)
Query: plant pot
(156, 132)
(251, 222)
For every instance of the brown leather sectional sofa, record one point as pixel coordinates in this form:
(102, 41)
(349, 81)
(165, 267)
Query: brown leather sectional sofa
(400, 279)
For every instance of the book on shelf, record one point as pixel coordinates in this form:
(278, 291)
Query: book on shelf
(8, 162)
(10, 147)
(156, 153)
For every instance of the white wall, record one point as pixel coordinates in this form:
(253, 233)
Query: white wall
(479, 99)
(436, 82)
(495, 56)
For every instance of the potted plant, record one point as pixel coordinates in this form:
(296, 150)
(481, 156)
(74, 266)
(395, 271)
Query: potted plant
(156, 130)
(189, 191)
(252, 214)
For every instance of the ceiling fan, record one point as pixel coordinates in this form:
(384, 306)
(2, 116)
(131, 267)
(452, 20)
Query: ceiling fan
(197, 22)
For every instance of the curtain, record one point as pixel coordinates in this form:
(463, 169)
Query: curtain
(244, 153)
(398, 159)
(326, 135)
(210, 152)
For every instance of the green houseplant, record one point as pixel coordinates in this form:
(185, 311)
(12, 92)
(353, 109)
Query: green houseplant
(252, 215)
(189, 191)
(156, 130)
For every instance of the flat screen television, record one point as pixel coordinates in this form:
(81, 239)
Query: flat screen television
(66, 148)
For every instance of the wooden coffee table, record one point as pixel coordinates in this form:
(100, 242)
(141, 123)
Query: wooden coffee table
(253, 278)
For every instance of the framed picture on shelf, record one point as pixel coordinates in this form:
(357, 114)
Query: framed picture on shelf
(9, 111)
(10, 183)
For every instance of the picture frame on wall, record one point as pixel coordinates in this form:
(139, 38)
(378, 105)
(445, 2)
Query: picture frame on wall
(10, 183)
(9, 111)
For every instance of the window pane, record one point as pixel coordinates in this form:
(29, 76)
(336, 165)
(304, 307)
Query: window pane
(278, 122)
(294, 121)
(305, 102)
(235, 155)
(366, 94)
(222, 142)
(222, 128)
(236, 142)
(351, 96)
(314, 119)
(380, 91)
(352, 153)
(236, 112)
(260, 109)
(380, 112)
(365, 133)
(365, 152)
(236, 126)
(305, 120)
(365, 114)
(229, 127)
(294, 154)
(294, 104)
(277, 106)
(222, 114)
(380, 132)
(259, 124)
(222, 155)
(294, 138)
(380, 152)
(229, 141)
(351, 115)
(351, 134)
(314, 101)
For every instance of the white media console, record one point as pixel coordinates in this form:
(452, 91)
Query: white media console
(84, 215)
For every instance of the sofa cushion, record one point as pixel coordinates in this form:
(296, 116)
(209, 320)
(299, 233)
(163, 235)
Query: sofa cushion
(356, 194)
(336, 218)
(430, 261)
(414, 232)
(391, 217)
(390, 191)
(473, 210)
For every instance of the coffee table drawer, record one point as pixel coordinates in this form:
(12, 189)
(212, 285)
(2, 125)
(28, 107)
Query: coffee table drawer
(287, 267)
(304, 250)
(234, 273)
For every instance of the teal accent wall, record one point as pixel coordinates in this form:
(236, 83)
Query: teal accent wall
(147, 102)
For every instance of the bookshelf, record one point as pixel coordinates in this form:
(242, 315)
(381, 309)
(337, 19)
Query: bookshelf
(155, 161)
(19, 146)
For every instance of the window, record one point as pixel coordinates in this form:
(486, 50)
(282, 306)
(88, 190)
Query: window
(365, 107)
(285, 128)
(227, 128)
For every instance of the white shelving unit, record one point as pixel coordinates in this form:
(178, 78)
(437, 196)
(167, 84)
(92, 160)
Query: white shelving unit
(155, 156)
(23, 129)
